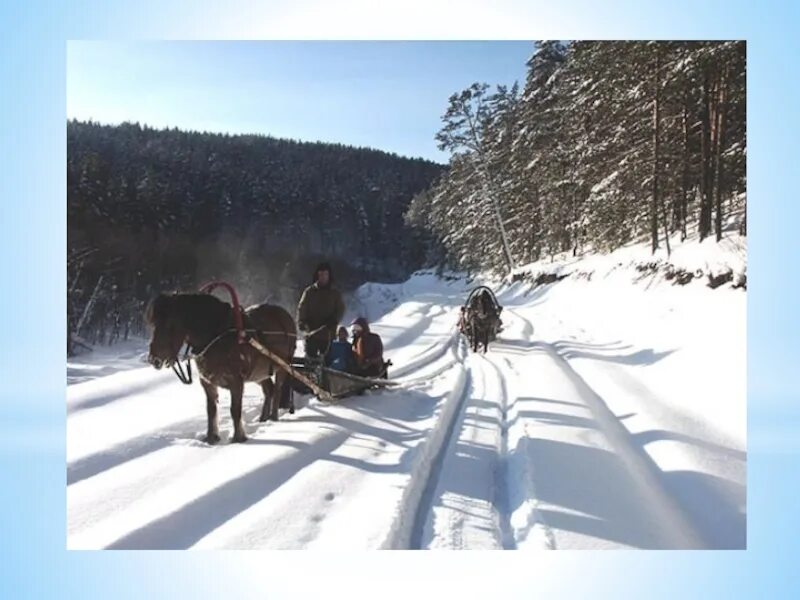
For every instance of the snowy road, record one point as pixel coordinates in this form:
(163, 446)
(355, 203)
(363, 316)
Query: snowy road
(565, 435)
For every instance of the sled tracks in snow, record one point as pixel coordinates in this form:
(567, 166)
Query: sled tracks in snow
(476, 482)
(478, 495)
(414, 503)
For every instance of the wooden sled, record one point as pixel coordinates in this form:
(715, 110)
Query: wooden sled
(337, 384)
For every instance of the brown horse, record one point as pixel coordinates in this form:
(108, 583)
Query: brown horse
(206, 324)
(481, 319)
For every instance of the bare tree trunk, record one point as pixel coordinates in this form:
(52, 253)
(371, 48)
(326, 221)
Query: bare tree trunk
(656, 157)
(535, 230)
(70, 307)
(87, 310)
(564, 240)
(685, 174)
(720, 145)
(576, 233)
(489, 191)
(70, 351)
(666, 229)
(705, 152)
(503, 235)
(77, 277)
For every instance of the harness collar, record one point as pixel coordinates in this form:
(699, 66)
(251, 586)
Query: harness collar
(238, 319)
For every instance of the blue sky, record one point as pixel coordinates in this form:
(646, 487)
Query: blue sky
(386, 95)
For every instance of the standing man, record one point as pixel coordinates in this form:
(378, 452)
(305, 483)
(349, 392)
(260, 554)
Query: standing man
(319, 312)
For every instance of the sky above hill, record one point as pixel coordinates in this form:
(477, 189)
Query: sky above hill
(384, 95)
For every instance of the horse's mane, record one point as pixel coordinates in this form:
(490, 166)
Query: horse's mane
(194, 308)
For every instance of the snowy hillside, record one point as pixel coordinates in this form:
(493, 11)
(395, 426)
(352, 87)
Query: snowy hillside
(610, 413)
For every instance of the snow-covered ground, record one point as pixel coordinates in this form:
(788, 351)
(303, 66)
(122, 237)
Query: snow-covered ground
(611, 413)
(105, 360)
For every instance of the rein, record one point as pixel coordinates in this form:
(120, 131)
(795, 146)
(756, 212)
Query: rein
(189, 353)
(245, 331)
(185, 378)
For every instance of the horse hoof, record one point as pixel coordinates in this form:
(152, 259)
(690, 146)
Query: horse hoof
(262, 419)
(212, 439)
(239, 438)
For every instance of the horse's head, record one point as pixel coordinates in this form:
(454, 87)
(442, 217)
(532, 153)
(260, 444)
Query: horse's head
(477, 305)
(481, 305)
(169, 330)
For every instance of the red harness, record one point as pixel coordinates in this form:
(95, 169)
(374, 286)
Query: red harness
(237, 309)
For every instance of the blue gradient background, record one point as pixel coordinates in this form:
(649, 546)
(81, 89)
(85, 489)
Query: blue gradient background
(33, 560)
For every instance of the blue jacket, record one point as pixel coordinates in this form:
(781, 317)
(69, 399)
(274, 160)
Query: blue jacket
(340, 356)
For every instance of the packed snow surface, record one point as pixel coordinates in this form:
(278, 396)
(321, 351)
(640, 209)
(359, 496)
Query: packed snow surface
(610, 413)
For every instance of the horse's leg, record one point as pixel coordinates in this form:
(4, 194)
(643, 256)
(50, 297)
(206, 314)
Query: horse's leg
(212, 435)
(268, 387)
(285, 390)
(237, 391)
(280, 382)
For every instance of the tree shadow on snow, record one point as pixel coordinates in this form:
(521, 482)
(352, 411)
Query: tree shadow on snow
(187, 525)
(591, 491)
(598, 484)
(603, 352)
(189, 430)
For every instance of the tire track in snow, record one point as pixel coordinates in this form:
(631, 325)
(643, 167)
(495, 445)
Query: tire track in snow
(674, 530)
(404, 532)
(644, 471)
(466, 501)
(429, 355)
(502, 501)
(685, 448)
(518, 523)
(527, 326)
(675, 526)
(515, 495)
(434, 355)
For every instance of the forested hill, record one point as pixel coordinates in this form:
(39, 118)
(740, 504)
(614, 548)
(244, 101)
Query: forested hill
(151, 209)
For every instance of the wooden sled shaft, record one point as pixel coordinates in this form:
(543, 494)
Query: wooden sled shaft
(321, 393)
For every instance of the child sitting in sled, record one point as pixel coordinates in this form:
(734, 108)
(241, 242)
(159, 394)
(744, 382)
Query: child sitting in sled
(340, 355)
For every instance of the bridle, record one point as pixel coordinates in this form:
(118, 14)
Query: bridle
(242, 334)
(185, 378)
